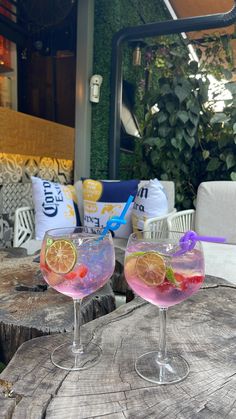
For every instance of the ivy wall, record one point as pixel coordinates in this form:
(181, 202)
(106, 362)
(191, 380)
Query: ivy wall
(111, 16)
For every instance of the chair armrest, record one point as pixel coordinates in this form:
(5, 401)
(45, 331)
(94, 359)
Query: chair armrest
(23, 226)
(158, 224)
(181, 221)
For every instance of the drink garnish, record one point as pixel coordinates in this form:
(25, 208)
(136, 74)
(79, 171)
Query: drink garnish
(80, 272)
(61, 256)
(170, 276)
(150, 268)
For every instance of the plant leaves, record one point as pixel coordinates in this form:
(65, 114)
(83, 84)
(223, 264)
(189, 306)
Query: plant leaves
(189, 140)
(170, 107)
(164, 130)
(205, 154)
(161, 117)
(213, 164)
(183, 116)
(176, 143)
(193, 118)
(219, 117)
(181, 93)
(230, 160)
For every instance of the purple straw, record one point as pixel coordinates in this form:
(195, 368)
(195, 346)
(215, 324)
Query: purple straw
(188, 241)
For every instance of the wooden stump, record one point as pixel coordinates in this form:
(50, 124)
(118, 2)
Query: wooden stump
(29, 308)
(202, 329)
(118, 281)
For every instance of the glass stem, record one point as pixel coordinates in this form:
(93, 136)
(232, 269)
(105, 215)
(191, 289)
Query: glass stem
(162, 339)
(77, 346)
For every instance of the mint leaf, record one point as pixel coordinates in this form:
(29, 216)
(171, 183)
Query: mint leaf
(170, 276)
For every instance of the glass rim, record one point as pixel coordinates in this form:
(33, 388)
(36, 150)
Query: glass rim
(77, 229)
(157, 232)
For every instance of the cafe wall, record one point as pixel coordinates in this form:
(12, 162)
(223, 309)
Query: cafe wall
(111, 16)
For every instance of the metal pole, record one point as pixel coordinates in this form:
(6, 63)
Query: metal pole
(84, 65)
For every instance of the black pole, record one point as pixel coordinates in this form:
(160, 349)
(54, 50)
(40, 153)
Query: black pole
(144, 31)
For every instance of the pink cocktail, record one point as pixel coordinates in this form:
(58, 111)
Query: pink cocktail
(161, 272)
(94, 265)
(77, 261)
(186, 279)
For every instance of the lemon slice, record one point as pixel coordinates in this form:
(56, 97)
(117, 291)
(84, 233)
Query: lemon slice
(61, 256)
(151, 269)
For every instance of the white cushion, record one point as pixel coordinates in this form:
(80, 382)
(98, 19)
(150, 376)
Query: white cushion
(150, 201)
(168, 185)
(55, 206)
(216, 209)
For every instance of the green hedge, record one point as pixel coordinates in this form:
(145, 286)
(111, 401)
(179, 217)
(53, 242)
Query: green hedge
(111, 16)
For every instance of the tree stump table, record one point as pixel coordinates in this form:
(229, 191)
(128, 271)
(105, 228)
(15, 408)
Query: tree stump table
(29, 308)
(201, 328)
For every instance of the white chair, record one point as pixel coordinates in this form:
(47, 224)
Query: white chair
(23, 226)
(215, 215)
(180, 222)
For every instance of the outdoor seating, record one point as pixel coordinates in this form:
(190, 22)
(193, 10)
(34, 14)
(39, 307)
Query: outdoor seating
(214, 216)
(24, 220)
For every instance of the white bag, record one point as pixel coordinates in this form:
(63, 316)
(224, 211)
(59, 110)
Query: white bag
(150, 201)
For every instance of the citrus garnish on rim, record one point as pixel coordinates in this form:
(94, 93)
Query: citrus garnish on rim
(61, 256)
(150, 268)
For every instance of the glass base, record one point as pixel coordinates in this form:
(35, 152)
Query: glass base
(173, 370)
(64, 357)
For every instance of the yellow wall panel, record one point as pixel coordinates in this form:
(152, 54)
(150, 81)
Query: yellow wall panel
(26, 134)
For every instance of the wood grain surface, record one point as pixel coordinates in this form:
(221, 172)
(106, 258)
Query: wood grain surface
(29, 308)
(202, 329)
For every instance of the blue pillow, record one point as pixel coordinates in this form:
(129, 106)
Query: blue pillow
(105, 199)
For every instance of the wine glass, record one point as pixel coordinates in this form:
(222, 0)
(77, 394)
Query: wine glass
(163, 271)
(77, 261)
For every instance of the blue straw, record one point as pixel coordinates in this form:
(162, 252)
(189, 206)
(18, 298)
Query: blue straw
(115, 222)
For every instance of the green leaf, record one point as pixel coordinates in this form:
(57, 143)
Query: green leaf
(161, 117)
(172, 119)
(189, 140)
(193, 118)
(227, 74)
(165, 89)
(183, 116)
(176, 143)
(234, 128)
(179, 133)
(191, 131)
(181, 93)
(150, 141)
(213, 164)
(233, 175)
(230, 160)
(164, 131)
(231, 87)
(170, 107)
(170, 276)
(193, 106)
(155, 157)
(205, 154)
(219, 117)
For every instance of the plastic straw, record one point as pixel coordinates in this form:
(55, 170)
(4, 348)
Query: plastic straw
(115, 222)
(188, 241)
